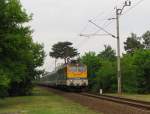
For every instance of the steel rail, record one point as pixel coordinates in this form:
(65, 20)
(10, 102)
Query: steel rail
(134, 103)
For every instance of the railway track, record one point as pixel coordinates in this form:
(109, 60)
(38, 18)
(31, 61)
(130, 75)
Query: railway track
(130, 102)
(106, 104)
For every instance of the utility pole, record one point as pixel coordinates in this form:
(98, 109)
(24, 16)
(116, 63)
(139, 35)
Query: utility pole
(118, 52)
(118, 13)
(117, 36)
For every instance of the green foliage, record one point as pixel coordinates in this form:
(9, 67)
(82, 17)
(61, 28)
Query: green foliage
(108, 53)
(63, 50)
(129, 78)
(136, 67)
(142, 62)
(132, 43)
(135, 72)
(19, 55)
(93, 65)
(146, 39)
(106, 76)
(102, 71)
(4, 83)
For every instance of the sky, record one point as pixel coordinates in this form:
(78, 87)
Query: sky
(64, 20)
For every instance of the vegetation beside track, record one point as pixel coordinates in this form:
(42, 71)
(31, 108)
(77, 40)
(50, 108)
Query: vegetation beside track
(41, 102)
(20, 56)
(102, 73)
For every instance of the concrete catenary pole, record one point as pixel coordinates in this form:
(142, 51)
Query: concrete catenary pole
(118, 53)
(118, 13)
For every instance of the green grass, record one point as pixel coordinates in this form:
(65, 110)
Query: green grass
(134, 96)
(42, 102)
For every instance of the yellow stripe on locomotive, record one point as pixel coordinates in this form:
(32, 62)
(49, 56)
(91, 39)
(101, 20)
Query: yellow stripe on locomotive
(76, 71)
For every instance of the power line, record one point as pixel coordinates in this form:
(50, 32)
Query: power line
(104, 26)
(96, 33)
(102, 29)
(93, 34)
(84, 28)
(83, 42)
(80, 44)
(100, 14)
(140, 1)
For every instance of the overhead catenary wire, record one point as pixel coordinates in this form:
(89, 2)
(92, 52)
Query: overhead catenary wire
(94, 19)
(100, 14)
(88, 36)
(103, 19)
(84, 28)
(105, 25)
(102, 29)
(80, 44)
(140, 1)
(122, 14)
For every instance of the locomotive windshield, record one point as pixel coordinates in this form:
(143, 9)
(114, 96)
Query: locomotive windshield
(73, 68)
(81, 69)
(78, 68)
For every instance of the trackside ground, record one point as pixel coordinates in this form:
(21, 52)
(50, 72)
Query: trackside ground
(41, 102)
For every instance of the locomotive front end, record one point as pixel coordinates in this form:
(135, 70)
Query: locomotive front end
(77, 75)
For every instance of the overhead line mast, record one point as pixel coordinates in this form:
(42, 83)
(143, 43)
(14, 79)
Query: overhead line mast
(118, 13)
(117, 36)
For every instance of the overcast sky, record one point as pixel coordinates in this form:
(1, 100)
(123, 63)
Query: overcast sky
(64, 20)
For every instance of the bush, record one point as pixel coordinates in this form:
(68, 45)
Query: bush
(4, 84)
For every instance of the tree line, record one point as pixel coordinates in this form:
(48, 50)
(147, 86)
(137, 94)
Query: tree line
(135, 65)
(20, 57)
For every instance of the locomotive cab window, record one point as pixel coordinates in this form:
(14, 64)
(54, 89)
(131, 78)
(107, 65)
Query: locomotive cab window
(81, 69)
(73, 69)
(77, 69)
